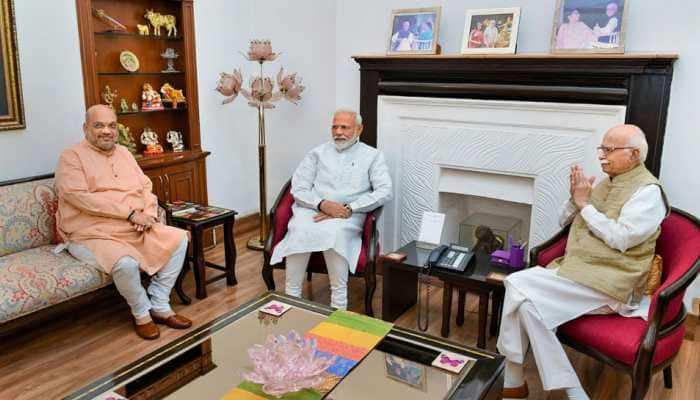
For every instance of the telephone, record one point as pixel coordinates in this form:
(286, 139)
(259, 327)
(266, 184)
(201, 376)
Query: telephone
(453, 257)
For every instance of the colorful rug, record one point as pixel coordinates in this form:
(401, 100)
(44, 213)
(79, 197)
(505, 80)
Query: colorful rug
(347, 335)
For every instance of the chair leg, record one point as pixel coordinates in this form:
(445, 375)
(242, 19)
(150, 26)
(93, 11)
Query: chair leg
(370, 287)
(640, 386)
(668, 377)
(267, 273)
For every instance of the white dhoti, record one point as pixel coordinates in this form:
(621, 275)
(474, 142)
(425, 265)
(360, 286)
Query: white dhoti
(536, 302)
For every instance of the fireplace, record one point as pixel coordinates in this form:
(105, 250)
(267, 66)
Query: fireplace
(505, 128)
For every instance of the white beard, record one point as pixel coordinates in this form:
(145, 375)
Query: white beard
(342, 145)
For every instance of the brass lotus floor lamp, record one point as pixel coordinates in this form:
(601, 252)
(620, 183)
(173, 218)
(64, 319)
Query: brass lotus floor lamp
(261, 95)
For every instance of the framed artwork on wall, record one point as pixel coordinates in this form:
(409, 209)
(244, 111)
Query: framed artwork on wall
(414, 31)
(493, 30)
(11, 107)
(589, 26)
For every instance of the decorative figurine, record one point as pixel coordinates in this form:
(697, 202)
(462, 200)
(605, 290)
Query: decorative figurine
(485, 240)
(143, 29)
(109, 96)
(175, 139)
(134, 107)
(150, 139)
(104, 17)
(125, 139)
(172, 95)
(170, 55)
(157, 20)
(124, 105)
(150, 99)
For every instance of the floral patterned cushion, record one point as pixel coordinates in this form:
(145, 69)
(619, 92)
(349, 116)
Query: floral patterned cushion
(27, 215)
(37, 278)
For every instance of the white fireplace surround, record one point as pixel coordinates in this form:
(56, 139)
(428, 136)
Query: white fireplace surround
(516, 151)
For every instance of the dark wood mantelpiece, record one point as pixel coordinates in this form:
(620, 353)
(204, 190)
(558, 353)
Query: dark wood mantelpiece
(642, 82)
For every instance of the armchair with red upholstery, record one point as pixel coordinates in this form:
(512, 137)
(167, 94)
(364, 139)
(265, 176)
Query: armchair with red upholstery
(638, 347)
(281, 213)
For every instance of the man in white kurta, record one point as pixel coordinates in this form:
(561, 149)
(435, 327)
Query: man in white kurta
(334, 187)
(538, 300)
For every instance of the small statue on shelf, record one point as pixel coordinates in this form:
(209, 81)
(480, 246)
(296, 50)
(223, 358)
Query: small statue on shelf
(125, 139)
(124, 106)
(150, 99)
(175, 139)
(170, 55)
(108, 95)
(134, 107)
(157, 20)
(172, 95)
(109, 20)
(150, 139)
(143, 29)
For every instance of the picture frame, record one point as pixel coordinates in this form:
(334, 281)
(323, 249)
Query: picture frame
(11, 104)
(589, 26)
(405, 371)
(414, 31)
(491, 31)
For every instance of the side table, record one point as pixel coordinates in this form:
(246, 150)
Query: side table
(196, 223)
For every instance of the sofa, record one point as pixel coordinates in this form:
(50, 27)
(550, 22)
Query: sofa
(32, 276)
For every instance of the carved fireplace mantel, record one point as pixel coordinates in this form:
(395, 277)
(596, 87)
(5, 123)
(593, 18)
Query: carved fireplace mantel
(641, 82)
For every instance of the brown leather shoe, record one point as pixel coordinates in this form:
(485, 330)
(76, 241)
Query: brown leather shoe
(520, 392)
(148, 331)
(174, 321)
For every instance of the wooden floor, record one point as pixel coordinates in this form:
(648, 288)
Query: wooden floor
(54, 361)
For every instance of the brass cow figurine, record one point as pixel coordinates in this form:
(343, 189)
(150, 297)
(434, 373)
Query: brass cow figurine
(157, 20)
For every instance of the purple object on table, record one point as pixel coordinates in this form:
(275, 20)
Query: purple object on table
(513, 258)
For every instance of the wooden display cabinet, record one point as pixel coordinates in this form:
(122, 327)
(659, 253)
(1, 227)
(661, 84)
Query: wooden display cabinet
(175, 176)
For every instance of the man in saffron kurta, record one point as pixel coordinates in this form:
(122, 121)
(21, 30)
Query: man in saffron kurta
(608, 256)
(107, 216)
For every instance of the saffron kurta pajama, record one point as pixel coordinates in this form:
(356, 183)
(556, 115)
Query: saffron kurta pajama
(97, 191)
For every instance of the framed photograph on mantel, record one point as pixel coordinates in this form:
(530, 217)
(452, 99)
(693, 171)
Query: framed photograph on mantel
(414, 31)
(11, 107)
(493, 30)
(589, 26)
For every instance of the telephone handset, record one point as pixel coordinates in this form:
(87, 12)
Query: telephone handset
(454, 258)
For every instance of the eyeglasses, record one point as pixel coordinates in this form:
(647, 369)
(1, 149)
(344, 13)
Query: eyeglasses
(611, 149)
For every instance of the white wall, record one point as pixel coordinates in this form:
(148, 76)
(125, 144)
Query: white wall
(52, 84)
(304, 31)
(670, 26)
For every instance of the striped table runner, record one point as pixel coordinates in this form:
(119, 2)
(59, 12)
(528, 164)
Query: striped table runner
(346, 335)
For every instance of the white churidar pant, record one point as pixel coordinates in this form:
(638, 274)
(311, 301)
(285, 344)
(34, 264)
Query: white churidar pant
(337, 275)
(536, 302)
(127, 278)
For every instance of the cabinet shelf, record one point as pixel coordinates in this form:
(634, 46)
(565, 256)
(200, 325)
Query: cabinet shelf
(183, 108)
(138, 73)
(136, 35)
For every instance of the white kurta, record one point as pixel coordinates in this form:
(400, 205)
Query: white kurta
(357, 176)
(538, 300)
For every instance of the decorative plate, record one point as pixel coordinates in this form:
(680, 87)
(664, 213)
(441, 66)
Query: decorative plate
(129, 61)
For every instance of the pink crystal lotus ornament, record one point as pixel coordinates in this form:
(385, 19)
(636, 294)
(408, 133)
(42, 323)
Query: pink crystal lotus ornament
(260, 93)
(290, 87)
(261, 51)
(229, 85)
(286, 364)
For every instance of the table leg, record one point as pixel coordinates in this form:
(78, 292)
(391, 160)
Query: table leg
(200, 276)
(461, 300)
(230, 251)
(496, 311)
(483, 315)
(446, 308)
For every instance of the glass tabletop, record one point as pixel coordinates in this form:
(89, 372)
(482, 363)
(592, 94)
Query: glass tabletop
(477, 271)
(399, 367)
